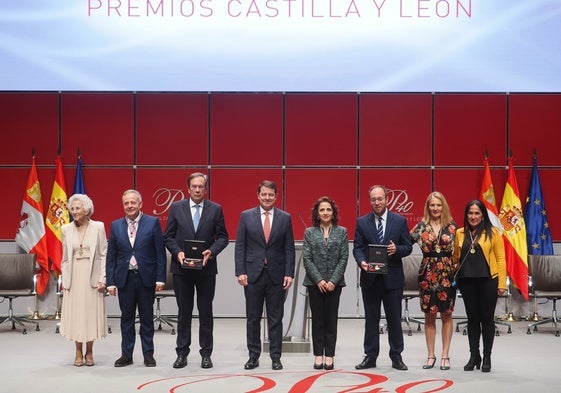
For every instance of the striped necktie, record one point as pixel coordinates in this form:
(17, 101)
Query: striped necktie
(380, 230)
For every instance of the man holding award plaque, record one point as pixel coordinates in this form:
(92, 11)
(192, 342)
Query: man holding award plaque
(381, 240)
(195, 234)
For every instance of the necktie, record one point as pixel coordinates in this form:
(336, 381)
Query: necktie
(132, 236)
(380, 230)
(197, 216)
(267, 226)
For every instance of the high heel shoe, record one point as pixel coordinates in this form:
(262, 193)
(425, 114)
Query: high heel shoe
(443, 365)
(318, 366)
(486, 365)
(78, 360)
(89, 360)
(329, 366)
(428, 364)
(473, 362)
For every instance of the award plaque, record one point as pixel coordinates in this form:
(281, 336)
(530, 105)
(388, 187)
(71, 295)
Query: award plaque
(377, 259)
(193, 254)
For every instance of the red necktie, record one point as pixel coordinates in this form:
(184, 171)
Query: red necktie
(267, 227)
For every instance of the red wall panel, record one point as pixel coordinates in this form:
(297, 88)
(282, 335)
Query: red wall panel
(395, 129)
(28, 121)
(236, 190)
(535, 123)
(171, 129)
(465, 125)
(321, 129)
(161, 187)
(305, 186)
(407, 191)
(246, 129)
(100, 125)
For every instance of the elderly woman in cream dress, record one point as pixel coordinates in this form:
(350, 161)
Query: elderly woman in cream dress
(84, 245)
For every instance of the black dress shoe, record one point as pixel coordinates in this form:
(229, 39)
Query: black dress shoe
(251, 364)
(277, 365)
(180, 362)
(367, 362)
(123, 361)
(399, 365)
(206, 362)
(318, 366)
(149, 361)
(329, 366)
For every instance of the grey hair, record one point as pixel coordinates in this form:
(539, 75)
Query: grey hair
(131, 191)
(86, 202)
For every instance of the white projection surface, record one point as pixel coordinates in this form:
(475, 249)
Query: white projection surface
(281, 45)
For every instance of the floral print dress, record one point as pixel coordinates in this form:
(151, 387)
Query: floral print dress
(436, 272)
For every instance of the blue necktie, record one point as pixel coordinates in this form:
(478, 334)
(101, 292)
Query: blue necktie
(380, 230)
(197, 216)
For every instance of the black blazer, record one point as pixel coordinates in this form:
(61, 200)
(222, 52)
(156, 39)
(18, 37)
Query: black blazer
(211, 230)
(252, 250)
(398, 232)
(148, 250)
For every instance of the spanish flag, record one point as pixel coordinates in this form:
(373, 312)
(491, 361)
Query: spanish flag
(30, 235)
(57, 215)
(514, 233)
(487, 196)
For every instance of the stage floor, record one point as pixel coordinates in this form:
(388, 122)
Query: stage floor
(42, 362)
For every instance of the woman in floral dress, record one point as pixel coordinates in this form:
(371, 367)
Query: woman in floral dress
(435, 236)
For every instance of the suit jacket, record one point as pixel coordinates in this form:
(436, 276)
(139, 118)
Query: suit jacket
(148, 250)
(325, 262)
(211, 230)
(97, 243)
(398, 232)
(252, 250)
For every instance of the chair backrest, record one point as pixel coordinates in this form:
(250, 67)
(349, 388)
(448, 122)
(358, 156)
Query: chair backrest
(16, 273)
(546, 272)
(411, 265)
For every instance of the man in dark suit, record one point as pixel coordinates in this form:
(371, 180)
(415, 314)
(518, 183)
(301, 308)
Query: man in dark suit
(195, 218)
(387, 228)
(265, 259)
(136, 266)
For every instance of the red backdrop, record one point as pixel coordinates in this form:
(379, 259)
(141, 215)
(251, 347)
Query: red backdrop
(311, 144)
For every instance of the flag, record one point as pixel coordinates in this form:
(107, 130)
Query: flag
(487, 196)
(30, 235)
(512, 220)
(57, 215)
(79, 187)
(537, 226)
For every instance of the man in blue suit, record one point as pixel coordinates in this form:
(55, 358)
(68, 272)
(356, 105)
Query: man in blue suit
(195, 218)
(382, 227)
(136, 267)
(265, 259)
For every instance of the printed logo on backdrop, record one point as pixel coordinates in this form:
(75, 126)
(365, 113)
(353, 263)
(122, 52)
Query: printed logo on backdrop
(295, 382)
(399, 202)
(163, 198)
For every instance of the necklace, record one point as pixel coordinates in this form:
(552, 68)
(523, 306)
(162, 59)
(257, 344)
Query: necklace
(81, 236)
(473, 242)
(325, 232)
(437, 248)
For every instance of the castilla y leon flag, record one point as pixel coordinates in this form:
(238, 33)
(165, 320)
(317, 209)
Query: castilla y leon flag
(487, 196)
(57, 215)
(30, 235)
(514, 234)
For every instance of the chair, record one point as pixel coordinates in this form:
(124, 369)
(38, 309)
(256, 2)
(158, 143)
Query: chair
(17, 279)
(411, 265)
(545, 272)
(166, 292)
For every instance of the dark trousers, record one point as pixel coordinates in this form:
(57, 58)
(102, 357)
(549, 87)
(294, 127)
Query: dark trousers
(185, 286)
(132, 296)
(372, 297)
(325, 311)
(480, 299)
(264, 290)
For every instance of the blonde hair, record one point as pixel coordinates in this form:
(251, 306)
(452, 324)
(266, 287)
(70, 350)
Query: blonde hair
(445, 216)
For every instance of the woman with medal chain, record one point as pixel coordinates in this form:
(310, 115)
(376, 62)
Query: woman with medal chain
(84, 247)
(481, 276)
(435, 236)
